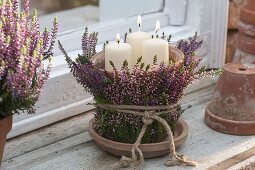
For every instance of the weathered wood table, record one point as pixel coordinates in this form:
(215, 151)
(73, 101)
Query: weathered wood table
(67, 145)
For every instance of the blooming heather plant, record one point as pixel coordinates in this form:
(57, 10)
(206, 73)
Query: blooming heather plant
(23, 50)
(143, 85)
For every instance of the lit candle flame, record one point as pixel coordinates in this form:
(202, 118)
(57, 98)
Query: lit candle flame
(139, 21)
(118, 38)
(157, 26)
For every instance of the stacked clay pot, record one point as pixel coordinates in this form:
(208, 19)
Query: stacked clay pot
(232, 106)
(5, 127)
(246, 37)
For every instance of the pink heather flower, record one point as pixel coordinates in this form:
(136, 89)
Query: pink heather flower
(23, 48)
(161, 85)
(158, 85)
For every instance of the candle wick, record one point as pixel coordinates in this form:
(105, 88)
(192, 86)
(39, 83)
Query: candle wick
(156, 34)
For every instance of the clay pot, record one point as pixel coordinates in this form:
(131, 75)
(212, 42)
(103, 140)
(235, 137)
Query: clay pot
(175, 55)
(247, 12)
(246, 35)
(5, 127)
(149, 150)
(232, 106)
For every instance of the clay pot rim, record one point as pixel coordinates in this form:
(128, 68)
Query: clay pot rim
(240, 69)
(246, 28)
(182, 124)
(245, 43)
(228, 120)
(172, 51)
(241, 125)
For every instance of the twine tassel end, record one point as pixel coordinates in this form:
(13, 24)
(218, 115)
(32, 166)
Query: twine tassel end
(180, 160)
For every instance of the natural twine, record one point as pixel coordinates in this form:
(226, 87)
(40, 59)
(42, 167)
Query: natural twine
(149, 114)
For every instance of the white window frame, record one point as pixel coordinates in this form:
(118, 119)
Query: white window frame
(63, 97)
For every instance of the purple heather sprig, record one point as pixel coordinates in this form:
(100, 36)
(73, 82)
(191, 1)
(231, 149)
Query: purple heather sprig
(142, 85)
(159, 85)
(89, 42)
(189, 48)
(91, 78)
(23, 48)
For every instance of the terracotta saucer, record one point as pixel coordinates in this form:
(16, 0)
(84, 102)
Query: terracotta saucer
(149, 150)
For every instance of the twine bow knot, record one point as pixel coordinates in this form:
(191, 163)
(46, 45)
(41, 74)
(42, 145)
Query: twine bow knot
(147, 118)
(149, 115)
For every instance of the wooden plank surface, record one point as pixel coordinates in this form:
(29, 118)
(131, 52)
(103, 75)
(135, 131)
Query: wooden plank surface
(194, 95)
(67, 145)
(248, 164)
(46, 136)
(80, 152)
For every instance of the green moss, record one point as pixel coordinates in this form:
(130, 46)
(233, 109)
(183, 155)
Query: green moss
(125, 127)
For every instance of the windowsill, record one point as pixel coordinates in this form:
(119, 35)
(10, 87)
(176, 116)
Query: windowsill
(85, 15)
(65, 98)
(60, 67)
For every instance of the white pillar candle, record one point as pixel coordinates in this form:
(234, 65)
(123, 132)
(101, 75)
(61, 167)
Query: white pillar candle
(117, 53)
(135, 40)
(155, 47)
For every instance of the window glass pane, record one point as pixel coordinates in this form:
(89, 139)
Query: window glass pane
(49, 6)
(72, 14)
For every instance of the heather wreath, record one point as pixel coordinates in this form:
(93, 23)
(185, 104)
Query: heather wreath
(142, 85)
(25, 55)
